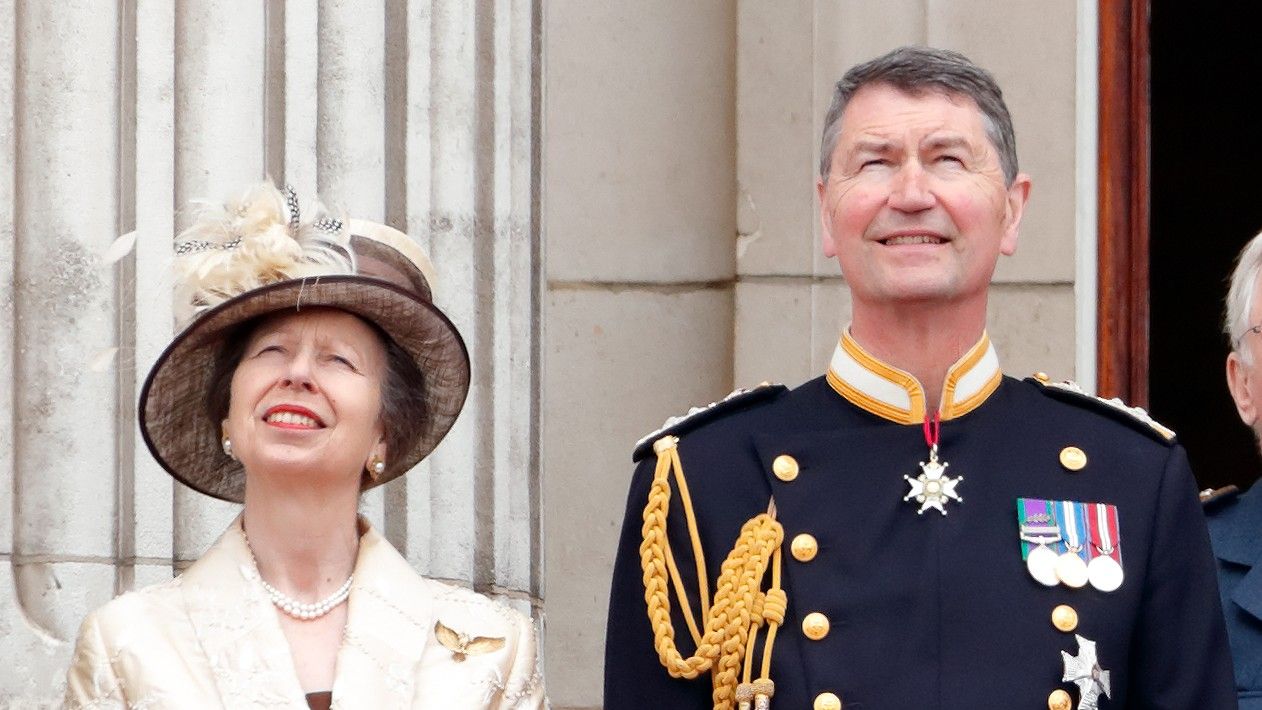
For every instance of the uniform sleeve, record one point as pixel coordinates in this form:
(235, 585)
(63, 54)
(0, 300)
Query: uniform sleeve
(523, 689)
(1181, 658)
(634, 678)
(91, 681)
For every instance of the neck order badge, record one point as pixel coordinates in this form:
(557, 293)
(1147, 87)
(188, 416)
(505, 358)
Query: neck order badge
(933, 488)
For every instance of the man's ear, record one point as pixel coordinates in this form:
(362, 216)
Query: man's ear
(825, 227)
(1014, 209)
(1238, 381)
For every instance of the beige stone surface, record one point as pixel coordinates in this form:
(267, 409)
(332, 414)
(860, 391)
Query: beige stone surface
(639, 140)
(1032, 326)
(776, 143)
(618, 362)
(831, 314)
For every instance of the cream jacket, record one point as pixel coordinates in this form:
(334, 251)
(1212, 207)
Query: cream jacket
(210, 639)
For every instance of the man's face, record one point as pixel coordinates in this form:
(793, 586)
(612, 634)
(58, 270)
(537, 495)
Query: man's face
(1244, 378)
(915, 207)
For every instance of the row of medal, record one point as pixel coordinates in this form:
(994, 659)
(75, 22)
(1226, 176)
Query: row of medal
(1071, 543)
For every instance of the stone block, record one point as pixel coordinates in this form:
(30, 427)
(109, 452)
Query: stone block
(149, 575)
(350, 129)
(773, 331)
(152, 520)
(639, 146)
(199, 521)
(55, 596)
(617, 363)
(1032, 327)
(220, 50)
(777, 144)
(35, 663)
(829, 315)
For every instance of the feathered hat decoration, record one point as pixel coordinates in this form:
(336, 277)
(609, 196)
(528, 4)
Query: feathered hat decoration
(258, 239)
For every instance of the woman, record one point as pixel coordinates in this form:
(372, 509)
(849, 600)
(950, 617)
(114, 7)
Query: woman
(315, 366)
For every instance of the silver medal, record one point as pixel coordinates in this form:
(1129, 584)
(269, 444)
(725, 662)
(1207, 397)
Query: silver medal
(1105, 574)
(1071, 570)
(1040, 530)
(1042, 565)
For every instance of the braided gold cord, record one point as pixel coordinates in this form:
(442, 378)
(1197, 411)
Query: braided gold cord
(739, 605)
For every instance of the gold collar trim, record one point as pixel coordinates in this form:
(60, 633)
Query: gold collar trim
(893, 394)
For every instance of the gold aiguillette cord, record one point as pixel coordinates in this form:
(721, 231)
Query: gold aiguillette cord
(740, 607)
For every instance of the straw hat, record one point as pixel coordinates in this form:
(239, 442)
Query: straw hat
(256, 257)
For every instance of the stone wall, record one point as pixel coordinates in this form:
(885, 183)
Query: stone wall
(115, 114)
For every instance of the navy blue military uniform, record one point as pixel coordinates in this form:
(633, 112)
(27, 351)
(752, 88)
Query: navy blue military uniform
(1235, 530)
(933, 611)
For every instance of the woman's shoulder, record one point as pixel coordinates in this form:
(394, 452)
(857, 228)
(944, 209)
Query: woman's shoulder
(456, 604)
(141, 606)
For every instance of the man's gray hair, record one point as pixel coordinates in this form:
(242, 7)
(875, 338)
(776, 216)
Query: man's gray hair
(1240, 296)
(917, 70)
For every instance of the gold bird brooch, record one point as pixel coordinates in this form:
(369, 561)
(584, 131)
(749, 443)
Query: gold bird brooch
(461, 646)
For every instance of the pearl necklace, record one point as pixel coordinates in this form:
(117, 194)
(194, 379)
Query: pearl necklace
(301, 611)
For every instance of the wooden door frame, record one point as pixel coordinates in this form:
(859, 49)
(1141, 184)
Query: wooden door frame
(1123, 201)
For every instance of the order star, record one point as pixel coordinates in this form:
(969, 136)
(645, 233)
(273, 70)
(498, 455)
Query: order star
(1084, 671)
(933, 487)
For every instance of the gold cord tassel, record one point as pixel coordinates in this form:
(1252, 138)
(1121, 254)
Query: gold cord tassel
(730, 623)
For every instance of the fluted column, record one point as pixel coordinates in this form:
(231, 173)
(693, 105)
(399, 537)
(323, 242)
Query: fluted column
(61, 212)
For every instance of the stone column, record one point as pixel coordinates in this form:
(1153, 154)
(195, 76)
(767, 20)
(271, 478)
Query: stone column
(424, 115)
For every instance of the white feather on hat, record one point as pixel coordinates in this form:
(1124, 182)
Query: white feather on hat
(258, 239)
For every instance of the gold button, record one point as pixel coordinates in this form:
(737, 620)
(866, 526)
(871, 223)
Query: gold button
(804, 547)
(815, 626)
(827, 701)
(1065, 618)
(785, 467)
(1042, 377)
(1073, 458)
(1059, 700)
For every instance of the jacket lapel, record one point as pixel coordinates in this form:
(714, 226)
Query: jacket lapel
(237, 628)
(389, 620)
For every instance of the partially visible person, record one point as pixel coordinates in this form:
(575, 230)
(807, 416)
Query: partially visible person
(1235, 519)
(315, 366)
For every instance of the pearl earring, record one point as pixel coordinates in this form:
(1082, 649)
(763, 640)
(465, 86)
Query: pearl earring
(376, 467)
(227, 443)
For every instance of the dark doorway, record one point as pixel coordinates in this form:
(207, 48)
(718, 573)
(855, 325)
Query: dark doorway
(1206, 190)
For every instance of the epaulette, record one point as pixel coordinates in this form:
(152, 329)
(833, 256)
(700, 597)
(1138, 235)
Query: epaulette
(1214, 498)
(1070, 391)
(697, 416)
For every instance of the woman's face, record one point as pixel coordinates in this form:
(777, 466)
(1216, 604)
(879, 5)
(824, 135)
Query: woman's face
(306, 398)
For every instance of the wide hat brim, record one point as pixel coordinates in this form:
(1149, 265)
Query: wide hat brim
(174, 418)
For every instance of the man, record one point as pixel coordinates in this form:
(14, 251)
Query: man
(913, 529)
(1235, 521)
